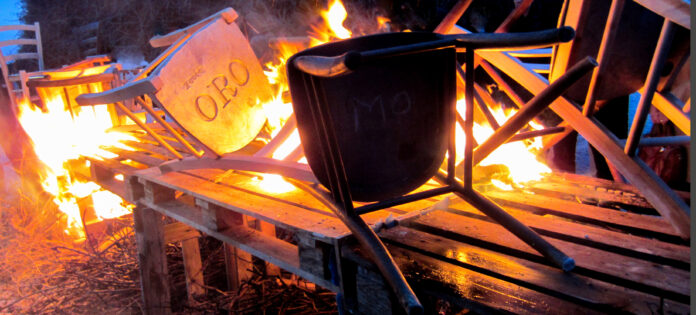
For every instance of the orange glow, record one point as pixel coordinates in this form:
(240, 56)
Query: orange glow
(518, 156)
(290, 144)
(383, 22)
(69, 74)
(333, 28)
(274, 184)
(60, 134)
(108, 205)
(335, 17)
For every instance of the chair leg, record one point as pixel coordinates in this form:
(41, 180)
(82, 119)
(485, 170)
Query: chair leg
(23, 82)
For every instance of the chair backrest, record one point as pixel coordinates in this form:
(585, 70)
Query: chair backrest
(208, 81)
(12, 63)
(9, 61)
(213, 87)
(87, 38)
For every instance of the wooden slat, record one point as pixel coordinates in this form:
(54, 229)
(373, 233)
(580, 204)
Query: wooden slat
(228, 14)
(580, 211)
(607, 265)
(543, 68)
(149, 234)
(670, 106)
(193, 268)
(20, 56)
(676, 10)
(151, 149)
(90, 27)
(574, 288)
(20, 27)
(269, 249)
(287, 215)
(532, 53)
(484, 294)
(627, 244)
(137, 156)
(21, 41)
(565, 190)
(177, 232)
(113, 166)
(665, 201)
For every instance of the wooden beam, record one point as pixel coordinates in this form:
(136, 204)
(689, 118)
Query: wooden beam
(605, 48)
(678, 11)
(238, 267)
(663, 45)
(149, 235)
(669, 105)
(452, 17)
(514, 15)
(665, 201)
(270, 230)
(193, 268)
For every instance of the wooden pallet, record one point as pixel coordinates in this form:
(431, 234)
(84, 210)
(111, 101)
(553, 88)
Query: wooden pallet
(628, 258)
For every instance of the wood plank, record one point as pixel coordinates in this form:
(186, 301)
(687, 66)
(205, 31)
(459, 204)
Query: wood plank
(149, 235)
(627, 244)
(193, 268)
(289, 212)
(177, 232)
(156, 150)
(479, 292)
(137, 156)
(676, 10)
(562, 190)
(606, 265)
(246, 181)
(580, 211)
(575, 288)
(587, 181)
(238, 266)
(270, 230)
(636, 171)
(670, 106)
(273, 250)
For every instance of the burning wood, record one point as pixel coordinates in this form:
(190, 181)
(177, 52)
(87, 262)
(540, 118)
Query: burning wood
(226, 101)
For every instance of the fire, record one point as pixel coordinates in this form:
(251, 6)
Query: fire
(335, 16)
(279, 109)
(333, 27)
(523, 167)
(518, 156)
(60, 135)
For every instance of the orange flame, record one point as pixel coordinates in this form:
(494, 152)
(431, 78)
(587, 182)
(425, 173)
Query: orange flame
(518, 156)
(60, 135)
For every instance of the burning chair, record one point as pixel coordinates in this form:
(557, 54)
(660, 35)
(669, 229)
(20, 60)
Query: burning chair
(318, 78)
(201, 122)
(15, 81)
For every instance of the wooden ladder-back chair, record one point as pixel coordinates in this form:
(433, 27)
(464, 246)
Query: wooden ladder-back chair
(208, 82)
(14, 74)
(87, 38)
(671, 207)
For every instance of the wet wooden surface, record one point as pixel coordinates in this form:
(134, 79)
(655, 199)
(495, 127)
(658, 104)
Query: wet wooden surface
(628, 258)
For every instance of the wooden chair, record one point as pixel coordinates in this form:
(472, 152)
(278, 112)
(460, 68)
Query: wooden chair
(87, 38)
(208, 82)
(14, 74)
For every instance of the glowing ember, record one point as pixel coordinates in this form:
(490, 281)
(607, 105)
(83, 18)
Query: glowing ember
(517, 156)
(288, 146)
(274, 184)
(110, 205)
(60, 135)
